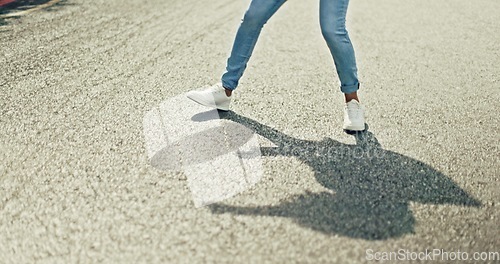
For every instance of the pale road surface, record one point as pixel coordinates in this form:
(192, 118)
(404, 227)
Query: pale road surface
(76, 184)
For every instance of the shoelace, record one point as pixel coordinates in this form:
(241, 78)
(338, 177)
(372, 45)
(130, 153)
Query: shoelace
(353, 110)
(216, 88)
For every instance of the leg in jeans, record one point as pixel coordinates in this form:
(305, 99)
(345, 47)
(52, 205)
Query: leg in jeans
(332, 20)
(255, 17)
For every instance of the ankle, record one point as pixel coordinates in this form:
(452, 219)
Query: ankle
(351, 96)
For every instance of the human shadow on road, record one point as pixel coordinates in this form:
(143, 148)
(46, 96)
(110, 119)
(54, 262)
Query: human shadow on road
(371, 187)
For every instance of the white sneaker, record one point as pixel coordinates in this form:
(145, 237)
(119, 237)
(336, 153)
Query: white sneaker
(214, 96)
(354, 116)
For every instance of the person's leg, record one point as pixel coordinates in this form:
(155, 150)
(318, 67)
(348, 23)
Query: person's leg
(332, 21)
(219, 95)
(255, 17)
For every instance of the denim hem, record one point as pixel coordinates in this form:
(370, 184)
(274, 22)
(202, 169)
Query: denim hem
(227, 86)
(347, 89)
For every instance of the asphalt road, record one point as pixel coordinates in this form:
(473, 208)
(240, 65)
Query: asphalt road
(77, 183)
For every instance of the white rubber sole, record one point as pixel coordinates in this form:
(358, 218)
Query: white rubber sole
(354, 128)
(224, 107)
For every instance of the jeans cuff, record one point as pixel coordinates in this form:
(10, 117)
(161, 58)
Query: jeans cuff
(347, 89)
(227, 85)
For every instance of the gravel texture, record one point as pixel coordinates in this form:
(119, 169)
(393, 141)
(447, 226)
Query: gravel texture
(76, 184)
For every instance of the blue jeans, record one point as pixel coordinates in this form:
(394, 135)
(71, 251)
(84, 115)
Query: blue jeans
(332, 21)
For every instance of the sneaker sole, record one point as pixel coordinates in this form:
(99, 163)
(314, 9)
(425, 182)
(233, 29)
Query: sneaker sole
(354, 128)
(223, 108)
